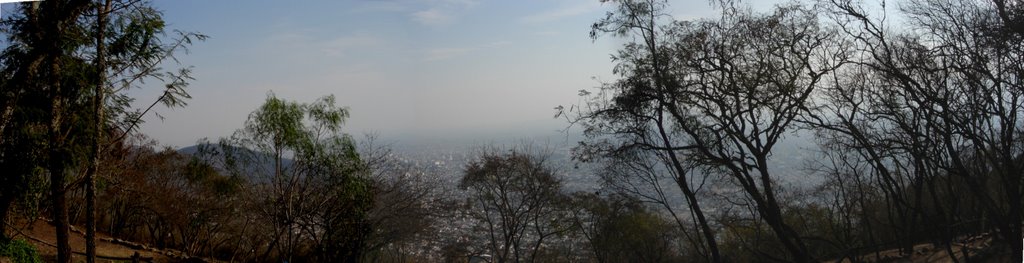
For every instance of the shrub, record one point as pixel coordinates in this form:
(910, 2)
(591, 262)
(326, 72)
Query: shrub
(19, 250)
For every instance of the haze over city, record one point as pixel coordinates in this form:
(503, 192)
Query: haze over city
(512, 131)
(406, 69)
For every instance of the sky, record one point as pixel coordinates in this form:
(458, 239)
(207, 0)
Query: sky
(403, 68)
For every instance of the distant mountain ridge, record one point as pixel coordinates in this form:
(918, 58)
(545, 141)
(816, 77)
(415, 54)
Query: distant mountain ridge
(252, 172)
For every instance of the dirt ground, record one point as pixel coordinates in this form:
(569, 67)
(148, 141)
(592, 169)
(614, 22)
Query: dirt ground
(977, 248)
(43, 235)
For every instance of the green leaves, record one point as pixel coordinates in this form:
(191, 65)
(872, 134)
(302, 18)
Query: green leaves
(324, 184)
(308, 130)
(326, 114)
(278, 122)
(19, 250)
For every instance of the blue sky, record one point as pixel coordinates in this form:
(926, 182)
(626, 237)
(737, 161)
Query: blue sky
(406, 67)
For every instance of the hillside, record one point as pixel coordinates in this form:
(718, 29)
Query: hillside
(978, 248)
(41, 234)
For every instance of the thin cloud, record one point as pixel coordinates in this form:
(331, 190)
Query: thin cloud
(341, 46)
(446, 53)
(496, 44)
(409, 5)
(432, 17)
(461, 3)
(561, 13)
(381, 6)
(547, 33)
(441, 12)
(437, 54)
(310, 40)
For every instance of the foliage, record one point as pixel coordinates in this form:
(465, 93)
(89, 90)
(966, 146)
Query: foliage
(918, 125)
(621, 229)
(54, 69)
(19, 250)
(212, 202)
(314, 205)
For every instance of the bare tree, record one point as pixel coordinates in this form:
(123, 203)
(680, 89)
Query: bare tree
(516, 196)
(934, 103)
(404, 198)
(632, 115)
(717, 94)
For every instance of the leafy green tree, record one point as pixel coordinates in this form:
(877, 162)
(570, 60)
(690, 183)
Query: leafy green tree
(310, 186)
(41, 63)
(67, 66)
(130, 43)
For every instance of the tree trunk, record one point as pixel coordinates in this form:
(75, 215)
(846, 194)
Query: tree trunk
(5, 206)
(60, 215)
(772, 214)
(691, 196)
(59, 209)
(1013, 229)
(56, 18)
(56, 161)
(789, 238)
(98, 127)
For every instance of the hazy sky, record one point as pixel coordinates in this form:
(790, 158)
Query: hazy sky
(402, 67)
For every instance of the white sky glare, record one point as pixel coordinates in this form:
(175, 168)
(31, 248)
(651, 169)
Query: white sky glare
(403, 67)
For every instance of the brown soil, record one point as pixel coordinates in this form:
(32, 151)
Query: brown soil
(43, 235)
